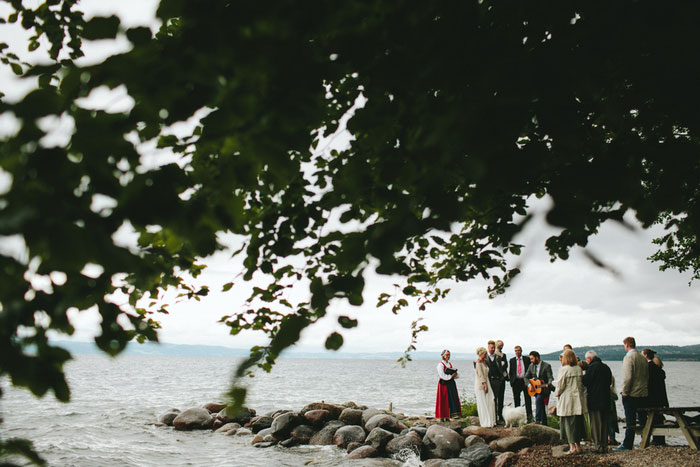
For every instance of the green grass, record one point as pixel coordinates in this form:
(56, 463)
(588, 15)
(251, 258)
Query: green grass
(553, 422)
(469, 408)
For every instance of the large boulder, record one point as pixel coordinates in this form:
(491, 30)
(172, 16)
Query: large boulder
(347, 434)
(478, 454)
(378, 438)
(282, 426)
(168, 417)
(386, 421)
(325, 436)
(214, 407)
(442, 443)
(303, 433)
(489, 434)
(369, 413)
(351, 416)
(259, 423)
(243, 416)
(510, 443)
(195, 418)
(333, 410)
(473, 439)
(363, 452)
(317, 417)
(408, 442)
(541, 434)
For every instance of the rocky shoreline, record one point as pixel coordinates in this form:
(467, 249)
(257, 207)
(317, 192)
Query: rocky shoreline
(388, 438)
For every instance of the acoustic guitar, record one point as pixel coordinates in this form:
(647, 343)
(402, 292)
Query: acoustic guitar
(535, 387)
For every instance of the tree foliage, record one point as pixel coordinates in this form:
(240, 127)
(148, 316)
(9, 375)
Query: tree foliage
(472, 109)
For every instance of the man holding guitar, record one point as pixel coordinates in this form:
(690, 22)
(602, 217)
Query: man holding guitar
(540, 376)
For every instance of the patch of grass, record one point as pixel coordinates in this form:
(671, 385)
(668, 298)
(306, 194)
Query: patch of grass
(469, 408)
(553, 422)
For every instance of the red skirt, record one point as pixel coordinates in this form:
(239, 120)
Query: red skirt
(447, 400)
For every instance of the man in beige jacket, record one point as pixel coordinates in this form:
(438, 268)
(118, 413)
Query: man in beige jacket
(635, 377)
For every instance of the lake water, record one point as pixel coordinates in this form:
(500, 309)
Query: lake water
(109, 421)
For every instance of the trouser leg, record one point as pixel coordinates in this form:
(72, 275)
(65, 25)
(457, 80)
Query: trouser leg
(630, 406)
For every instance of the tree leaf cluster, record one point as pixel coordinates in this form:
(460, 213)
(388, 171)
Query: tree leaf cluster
(471, 110)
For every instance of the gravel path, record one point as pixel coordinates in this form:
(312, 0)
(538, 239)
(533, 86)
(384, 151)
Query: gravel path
(654, 456)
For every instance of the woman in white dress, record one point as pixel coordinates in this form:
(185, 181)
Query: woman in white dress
(485, 404)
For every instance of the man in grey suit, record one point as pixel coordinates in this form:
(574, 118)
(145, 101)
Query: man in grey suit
(542, 371)
(635, 378)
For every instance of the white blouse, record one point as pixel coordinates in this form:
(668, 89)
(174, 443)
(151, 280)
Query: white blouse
(441, 371)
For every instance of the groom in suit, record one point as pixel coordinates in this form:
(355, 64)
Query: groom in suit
(517, 369)
(542, 371)
(496, 377)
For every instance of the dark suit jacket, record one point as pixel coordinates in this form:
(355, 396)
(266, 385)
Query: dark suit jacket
(597, 380)
(495, 368)
(545, 375)
(513, 368)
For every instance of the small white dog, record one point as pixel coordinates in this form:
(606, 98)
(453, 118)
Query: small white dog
(514, 415)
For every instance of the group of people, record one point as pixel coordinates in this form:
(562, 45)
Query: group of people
(585, 391)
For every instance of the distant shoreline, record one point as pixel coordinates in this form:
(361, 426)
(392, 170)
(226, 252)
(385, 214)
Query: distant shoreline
(667, 353)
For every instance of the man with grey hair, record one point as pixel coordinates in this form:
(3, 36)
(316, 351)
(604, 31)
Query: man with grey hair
(635, 380)
(597, 381)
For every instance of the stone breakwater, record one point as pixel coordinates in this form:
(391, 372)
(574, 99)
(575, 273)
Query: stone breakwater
(365, 432)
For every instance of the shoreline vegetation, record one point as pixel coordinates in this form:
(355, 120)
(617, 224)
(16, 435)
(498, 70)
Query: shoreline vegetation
(385, 438)
(668, 353)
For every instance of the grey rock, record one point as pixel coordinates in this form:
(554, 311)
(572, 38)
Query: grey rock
(419, 429)
(283, 424)
(505, 458)
(511, 443)
(228, 427)
(442, 442)
(379, 438)
(352, 446)
(409, 442)
(351, 416)
(243, 416)
(473, 439)
(333, 410)
(168, 417)
(478, 454)
(347, 434)
(325, 436)
(259, 422)
(214, 407)
(303, 434)
(288, 443)
(540, 434)
(243, 432)
(363, 452)
(317, 417)
(264, 444)
(369, 413)
(388, 422)
(195, 418)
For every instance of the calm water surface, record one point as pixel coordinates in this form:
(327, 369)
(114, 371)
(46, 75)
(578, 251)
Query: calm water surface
(109, 421)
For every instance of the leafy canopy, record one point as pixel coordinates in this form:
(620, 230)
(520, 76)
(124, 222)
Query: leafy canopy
(472, 108)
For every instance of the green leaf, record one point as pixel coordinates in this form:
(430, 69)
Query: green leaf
(334, 341)
(101, 27)
(346, 322)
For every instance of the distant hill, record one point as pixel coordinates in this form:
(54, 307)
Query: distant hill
(182, 350)
(617, 352)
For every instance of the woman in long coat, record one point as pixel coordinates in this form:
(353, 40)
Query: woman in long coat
(447, 401)
(571, 402)
(485, 404)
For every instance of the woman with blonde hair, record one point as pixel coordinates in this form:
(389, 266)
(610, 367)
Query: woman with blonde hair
(485, 403)
(571, 401)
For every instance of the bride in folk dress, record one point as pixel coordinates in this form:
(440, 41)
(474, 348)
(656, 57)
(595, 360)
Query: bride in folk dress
(485, 405)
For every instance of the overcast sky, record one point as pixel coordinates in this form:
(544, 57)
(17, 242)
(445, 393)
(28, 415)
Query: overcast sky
(550, 304)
